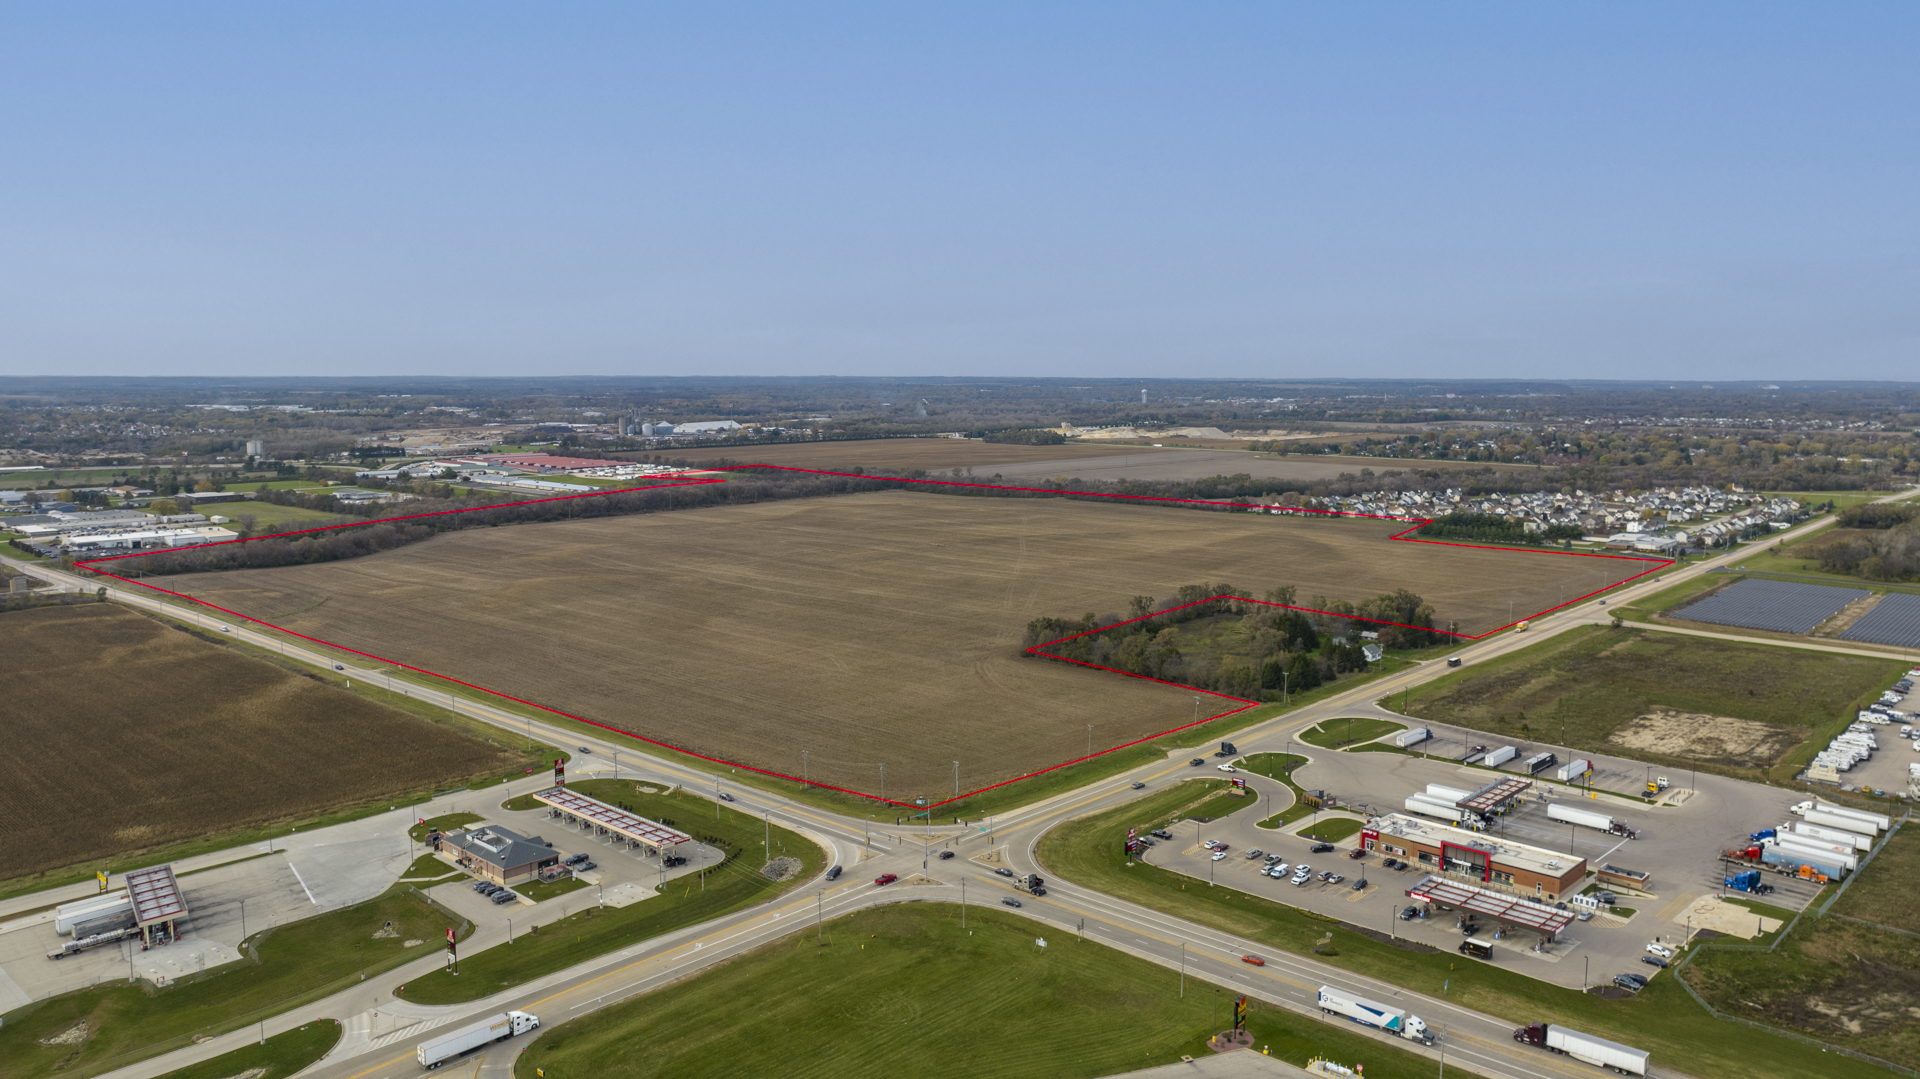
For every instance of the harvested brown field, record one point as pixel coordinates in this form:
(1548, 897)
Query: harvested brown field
(126, 734)
(1172, 464)
(901, 454)
(862, 630)
(1744, 743)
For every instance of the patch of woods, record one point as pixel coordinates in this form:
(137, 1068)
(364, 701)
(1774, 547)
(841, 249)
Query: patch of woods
(1025, 437)
(1217, 637)
(1493, 528)
(1882, 544)
(436, 511)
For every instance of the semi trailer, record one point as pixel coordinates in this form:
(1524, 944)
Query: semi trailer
(1430, 807)
(1447, 794)
(1584, 1048)
(1840, 821)
(494, 1028)
(1573, 769)
(1500, 756)
(1588, 818)
(1833, 835)
(1412, 736)
(1374, 1014)
(1879, 821)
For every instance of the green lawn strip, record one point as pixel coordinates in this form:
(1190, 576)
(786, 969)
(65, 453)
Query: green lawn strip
(282, 1055)
(1332, 830)
(1662, 1019)
(540, 891)
(905, 990)
(1884, 891)
(1223, 804)
(427, 865)
(1624, 912)
(446, 822)
(298, 963)
(1844, 983)
(1382, 747)
(594, 931)
(1280, 766)
(1841, 499)
(1577, 688)
(1335, 733)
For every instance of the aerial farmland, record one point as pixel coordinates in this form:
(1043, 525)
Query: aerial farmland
(858, 640)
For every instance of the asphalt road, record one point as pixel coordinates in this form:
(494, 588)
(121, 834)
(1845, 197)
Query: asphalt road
(380, 1041)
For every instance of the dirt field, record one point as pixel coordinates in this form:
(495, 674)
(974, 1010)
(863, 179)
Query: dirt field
(1199, 464)
(1672, 733)
(932, 454)
(123, 734)
(864, 630)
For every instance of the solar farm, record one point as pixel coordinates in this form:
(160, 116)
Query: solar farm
(1894, 620)
(1779, 606)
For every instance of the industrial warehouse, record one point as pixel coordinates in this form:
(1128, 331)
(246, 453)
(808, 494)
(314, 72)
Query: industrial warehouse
(1498, 864)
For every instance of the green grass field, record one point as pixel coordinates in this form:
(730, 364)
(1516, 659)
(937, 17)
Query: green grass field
(280, 1056)
(444, 823)
(592, 930)
(1335, 733)
(1884, 892)
(298, 963)
(1662, 1019)
(906, 990)
(1580, 687)
(541, 891)
(1333, 829)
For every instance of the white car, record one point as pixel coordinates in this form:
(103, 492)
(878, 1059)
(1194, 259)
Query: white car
(1219, 854)
(1226, 768)
(1302, 874)
(1660, 950)
(1279, 869)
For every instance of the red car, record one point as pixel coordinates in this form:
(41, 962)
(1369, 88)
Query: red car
(1253, 960)
(1357, 852)
(885, 879)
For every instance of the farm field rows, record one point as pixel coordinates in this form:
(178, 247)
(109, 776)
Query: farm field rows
(861, 631)
(130, 734)
(901, 454)
(1190, 464)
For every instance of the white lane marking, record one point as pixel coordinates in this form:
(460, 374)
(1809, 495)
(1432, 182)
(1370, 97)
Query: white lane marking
(303, 884)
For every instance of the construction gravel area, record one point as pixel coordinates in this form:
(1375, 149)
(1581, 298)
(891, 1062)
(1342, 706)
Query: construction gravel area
(865, 630)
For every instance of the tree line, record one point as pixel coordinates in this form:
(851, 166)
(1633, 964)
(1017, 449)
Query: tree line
(1215, 637)
(1493, 528)
(275, 550)
(1889, 549)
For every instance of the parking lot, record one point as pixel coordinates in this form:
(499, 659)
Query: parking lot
(1679, 847)
(1887, 768)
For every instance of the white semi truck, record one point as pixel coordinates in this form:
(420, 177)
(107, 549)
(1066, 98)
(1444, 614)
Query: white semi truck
(1588, 818)
(1880, 822)
(494, 1028)
(1374, 1014)
(1433, 807)
(1585, 1048)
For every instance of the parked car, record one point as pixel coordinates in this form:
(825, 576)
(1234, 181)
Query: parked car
(834, 873)
(1302, 873)
(1654, 961)
(1660, 950)
(1630, 981)
(1280, 869)
(1255, 852)
(574, 859)
(1161, 833)
(1320, 848)
(1010, 902)
(885, 879)
(946, 854)
(1004, 871)
(1357, 852)
(1333, 878)
(1253, 960)
(1144, 841)
(584, 867)
(1409, 914)
(1219, 854)
(504, 896)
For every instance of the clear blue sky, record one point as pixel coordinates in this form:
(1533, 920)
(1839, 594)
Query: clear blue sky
(1600, 190)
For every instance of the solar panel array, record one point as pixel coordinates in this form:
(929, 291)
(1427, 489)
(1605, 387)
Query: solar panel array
(1776, 605)
(1894, 620)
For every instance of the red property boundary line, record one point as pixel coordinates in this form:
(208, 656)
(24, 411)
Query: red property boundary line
(91, 566)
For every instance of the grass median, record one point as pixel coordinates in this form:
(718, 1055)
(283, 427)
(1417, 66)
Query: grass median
(906, 990)
(1338, 733)
(594, 931)
(280, 1056)
(1662, 1019)
(110, 1026)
